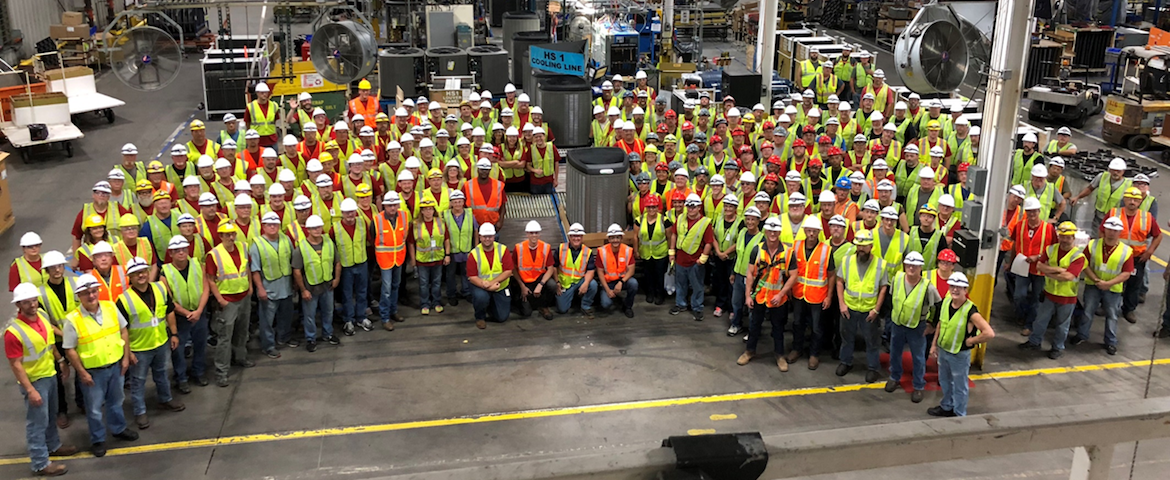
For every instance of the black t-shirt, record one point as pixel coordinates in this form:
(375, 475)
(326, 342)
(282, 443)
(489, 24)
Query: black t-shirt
(808, 248)
(971, 332)
(147, 298)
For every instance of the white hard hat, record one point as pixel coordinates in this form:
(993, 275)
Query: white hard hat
(314, 221)
(693, 200)
(937, 151)
(129, 149)
(354, 158)
(946, 200)
(1030, 137)
(1064, 131)
(391, 198)
(532, 227)
(792, 176)
(890, 213)
(186, 218)
(318, 111)
(607, 85)
(975, 131)
(24, 291)
(812, 222)
(614, 230)
(752, 212)
(885, 185)
(1031, 203)
(222, 163)
(914, 258)
(772, 224)
(1018, 190)
(844, 107)
(256, 180)
(349, 205)
(957, 279)
(179, 242)
(523, 97)
(483, 164)
(426, 143)
(876, 116)
(52, 258)
(102, 186)
(838, 221)
(1114, 223)
(405, 175)
(251, 135)
(911, 148)
(270, 218)
(795, 199)
(30, 239)
(537, 110)
(717, 180)
(1118, 164)
(85, 282)
(179, 149)
(243, 200)
(880, 164)
(926, 172)
(302, 203)
(242, 186)
(827, 196)
(747, 177)
(1141, 177)
(487, 230)
(262, 87)
(101, 247)
(276, 190)
(613, 111)
(313, 165)
(900, 105)
(1038, 170)
(290, 141)
(640, 75)
(208, 199)
(872, 204)
(576, 229)
(304, 96)
(286, 175)
(1059, 162)
(962, 121)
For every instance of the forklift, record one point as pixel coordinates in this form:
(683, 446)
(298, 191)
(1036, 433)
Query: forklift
(1135, 115)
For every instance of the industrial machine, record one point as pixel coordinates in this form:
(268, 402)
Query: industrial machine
(1134, 118)
(1069, 102)
(940, 51)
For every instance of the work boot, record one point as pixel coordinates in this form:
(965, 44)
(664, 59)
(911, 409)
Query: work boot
(53, 470)
(245, 363)
(311, 347)
(366, 324)
(916, 396)
(792, 356)
(98, 449)
(1142, 298)
(745, 358)
(63, 421)
(397, 318)
(588, 312)
(871, 376)
(223, 381)
(1027, 332)
(1131, 317)
(388, 326)
(173, 406)
(183, 387)
(1111, 349)
(1076, 340)
(698, 315)
(843, 369)
(546, 313)
(782, 364)
(1055, 354)
(127, 435)
(629, 312)
(142, 421)
(333, 340)
(675, 310)
(1028, 345)
(891, 385)
(64, 451)
(480, 324)
(937, 411)
(201, 381)
(348, 329)
(813, 363)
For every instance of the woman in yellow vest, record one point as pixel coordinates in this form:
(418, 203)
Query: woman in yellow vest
(960, 328)
(93, 231)
(429, 249)
(27, 267)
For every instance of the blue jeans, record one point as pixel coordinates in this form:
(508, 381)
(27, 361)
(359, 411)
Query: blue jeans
(1044, 312)
(777, 317)
(720, 286)
(1133, 287)
(40, 430)
(430, 281)
(388, 305)
(808, 316)
(738, 304)
(1110, 302)
(196, 334)
(1026, 296)
(354, 281)
(103, 401)
(457, 283)
(154, 360)
(274, 311)
(542, 189)
(318, 305)
(688, 277)
(629, 289)
(952, 376)
(500, 303)
(872, 331)
(915, 338)
(565, 298)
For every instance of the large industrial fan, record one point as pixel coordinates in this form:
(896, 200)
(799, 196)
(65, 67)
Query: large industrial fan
(146, 57)
(940, 51)
(343, 51)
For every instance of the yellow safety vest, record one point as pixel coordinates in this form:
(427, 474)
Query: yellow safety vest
(37, 358)
(572, 270)
(275, 262)
(98, 345)
(187, 290)
(28, 274)
(496, 269)
(318, 266)
(908, 305)
(352, 249)
(263, 124)
(952, 333)
(428, 244)
(53, 306)
(1107, 269)
(861, 288)
(1062, 288)
(692, 237)
(229, 279)
(652, 246)
(148, 329)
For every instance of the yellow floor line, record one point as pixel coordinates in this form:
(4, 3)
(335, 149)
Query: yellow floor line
(567, 411)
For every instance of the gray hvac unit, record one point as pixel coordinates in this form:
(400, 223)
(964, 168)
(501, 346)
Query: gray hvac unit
(596, 187)
(488, 63)
(520, 66)
(403, 68)
(447, 62)
(535, 76)
(567, 102)
(515, 22)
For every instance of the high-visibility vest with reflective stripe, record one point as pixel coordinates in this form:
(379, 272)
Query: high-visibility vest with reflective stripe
(1134, 234)
(148, 328)
(744, 242)
(543, 162)
(602, 134)
(428, 243)
(187, 290)
(481, 209)
(907, 305)
(930, 251)
(512, 155)
(230, 279)
(861, 288)
(1022, 168)
(27, 273)
(879, 96)
(37, 357)
(264, 124)
(462, 235)
(390, 240)
(161, 234)
(111, 216)
(1107, 269)
(1054, 147)
(490, 273)
(812, 280)
(895, 250)
(788, 236)
(98, 345)
(952, 333)
(142, 249)
(109, 291)
(725, 236)
(275, 262)
(824, 88)
(912, 199)
(531, 266)
(350, 248)
(1046, 198)
(572, 270)
(616, 264)
(57, 308)
(318, 266)
(770, 278)
(808, 73)
(690, 238)
(1062, 288)
(652, 246)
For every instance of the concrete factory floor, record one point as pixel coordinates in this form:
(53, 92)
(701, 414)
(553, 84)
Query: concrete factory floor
(416, 399)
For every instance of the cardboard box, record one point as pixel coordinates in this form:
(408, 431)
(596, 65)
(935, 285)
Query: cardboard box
(68, 31)
(7, 218)
(72, 18)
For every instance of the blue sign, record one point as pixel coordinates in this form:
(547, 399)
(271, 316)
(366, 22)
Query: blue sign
(567, 63)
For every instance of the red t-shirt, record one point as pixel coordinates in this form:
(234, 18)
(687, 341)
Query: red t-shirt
(1074, 268)
(13, 348)
(265, 140)
(528, 153)
(940, 283)
(14, 274)
(684, 259)
(212, 272)
(509, 262)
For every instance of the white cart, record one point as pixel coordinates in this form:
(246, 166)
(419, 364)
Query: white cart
(77, 83)
(50, 109)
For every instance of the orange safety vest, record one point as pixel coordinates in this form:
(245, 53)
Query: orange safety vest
(1134, 234)
(616, 264)
(367, 110)
(1010, 223)
(769, 279)
(532, 268)
(483, 211)
(109, 292)
(812, 281)
(390, 241)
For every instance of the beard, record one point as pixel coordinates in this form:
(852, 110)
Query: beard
(864, 256)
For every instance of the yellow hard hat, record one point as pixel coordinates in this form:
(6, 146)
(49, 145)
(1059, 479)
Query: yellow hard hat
(363, 190)
(127, 220)
(197, 125)
(749, 118)
(1133, 192)
(364, 85)
(427, 202)
(325, 157)
(864, 237)
(435, 173)
(928, 209)
(933, 125)
(381, 117)
(1066, 228)
(154, 166)
(227, 227)
(95, 220)
(143, 184)
(331, 144)
(650, 149)
(160, 194)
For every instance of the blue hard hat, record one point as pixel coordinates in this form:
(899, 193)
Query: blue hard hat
(844, 182)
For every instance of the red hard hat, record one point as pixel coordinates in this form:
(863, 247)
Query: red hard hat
(738, 132)
(716, 139)
(767, 144)
(663, 166)
(662, 128)
(772, 177)
(878, 149)
(688, 126)
(768, 125)
(670, 114)
(809, 129)
(948, 255)
(798, 143)
(678, 196)
(814, 162)
(834, 150)
(653, 201)
(745, 149)
(964, 166)
(774, 160)
(824, 139)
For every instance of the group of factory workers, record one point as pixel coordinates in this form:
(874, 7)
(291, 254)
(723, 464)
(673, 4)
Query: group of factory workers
(794, 218)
